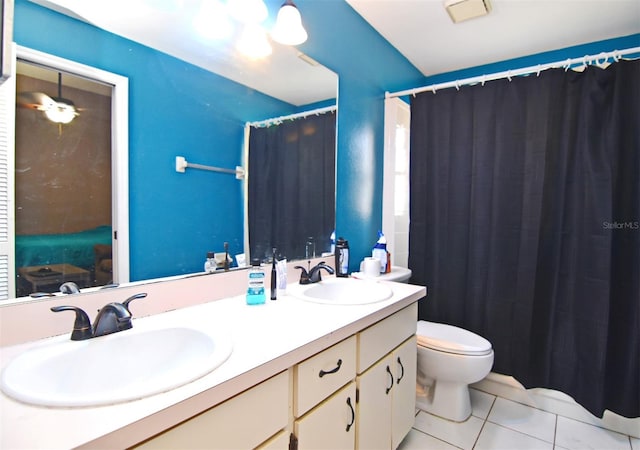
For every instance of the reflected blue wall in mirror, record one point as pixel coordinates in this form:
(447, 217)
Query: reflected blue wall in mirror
(175, 108)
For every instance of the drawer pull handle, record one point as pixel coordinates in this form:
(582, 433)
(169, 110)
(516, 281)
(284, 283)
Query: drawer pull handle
(390, 376)
(401, 371)
(353, 414)
(323, 373)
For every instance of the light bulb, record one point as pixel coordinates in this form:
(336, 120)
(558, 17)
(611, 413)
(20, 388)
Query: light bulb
(253, 42)
(288, 29)
(61, 112)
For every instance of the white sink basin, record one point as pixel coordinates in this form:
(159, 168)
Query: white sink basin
(343, 291)
(123, 366)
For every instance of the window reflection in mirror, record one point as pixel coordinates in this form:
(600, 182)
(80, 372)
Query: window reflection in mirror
(63, 219)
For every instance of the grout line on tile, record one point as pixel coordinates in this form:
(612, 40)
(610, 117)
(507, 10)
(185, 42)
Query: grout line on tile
(555, 431)
(484, 422)
(437, 438)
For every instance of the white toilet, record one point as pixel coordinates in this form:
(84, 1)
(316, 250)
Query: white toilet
(449, 359)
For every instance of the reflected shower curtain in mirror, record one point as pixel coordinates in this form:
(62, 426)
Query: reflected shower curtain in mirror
(525, 226)
(291, 186)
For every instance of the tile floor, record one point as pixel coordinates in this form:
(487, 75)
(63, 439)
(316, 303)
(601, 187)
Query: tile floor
(497, 423)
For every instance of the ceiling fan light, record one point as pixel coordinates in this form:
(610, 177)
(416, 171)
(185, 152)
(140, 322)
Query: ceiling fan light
(253, 42)
(62, 111)
(288, 29)
(248, 11)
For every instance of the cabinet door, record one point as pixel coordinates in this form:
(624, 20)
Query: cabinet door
(375, 390)
(404, 392)
(331, 424)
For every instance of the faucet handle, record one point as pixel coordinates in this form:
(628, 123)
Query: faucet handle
(132, 298)
(304, 275)
(82, 325)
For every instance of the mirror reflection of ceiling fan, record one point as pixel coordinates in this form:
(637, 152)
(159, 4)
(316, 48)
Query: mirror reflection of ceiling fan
(57, 109)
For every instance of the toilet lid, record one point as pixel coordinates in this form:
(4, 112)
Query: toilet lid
(448, 338)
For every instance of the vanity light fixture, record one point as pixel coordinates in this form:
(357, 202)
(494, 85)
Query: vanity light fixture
(288, 29)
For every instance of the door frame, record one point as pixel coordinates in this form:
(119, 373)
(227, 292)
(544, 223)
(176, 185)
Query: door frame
(119, 149)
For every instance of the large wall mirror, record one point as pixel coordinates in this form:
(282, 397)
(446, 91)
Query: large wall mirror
(175, 108)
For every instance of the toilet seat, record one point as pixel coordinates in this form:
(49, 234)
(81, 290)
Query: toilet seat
(450, 339)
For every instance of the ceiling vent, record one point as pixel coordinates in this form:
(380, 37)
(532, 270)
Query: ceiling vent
(460, 10)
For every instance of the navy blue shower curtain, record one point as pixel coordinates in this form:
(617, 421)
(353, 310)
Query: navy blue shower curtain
(291, 186)
(525, 226)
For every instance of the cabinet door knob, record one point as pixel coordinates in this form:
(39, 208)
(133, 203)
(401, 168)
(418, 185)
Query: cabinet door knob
(391, 377)
(353, 414)
(401, 371)
(334, 370)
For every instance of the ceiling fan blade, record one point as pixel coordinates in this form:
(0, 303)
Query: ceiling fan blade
(35, 100)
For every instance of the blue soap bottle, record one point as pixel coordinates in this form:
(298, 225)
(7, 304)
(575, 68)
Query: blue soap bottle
(255, 288)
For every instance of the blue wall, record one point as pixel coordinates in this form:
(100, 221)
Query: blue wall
(175, 109)
(338, 38)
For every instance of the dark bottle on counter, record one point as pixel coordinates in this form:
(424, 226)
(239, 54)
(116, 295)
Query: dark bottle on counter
(342, 258)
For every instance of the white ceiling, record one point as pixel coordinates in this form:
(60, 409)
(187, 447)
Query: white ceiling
(423, 32)
(167, 26)
(420, 29)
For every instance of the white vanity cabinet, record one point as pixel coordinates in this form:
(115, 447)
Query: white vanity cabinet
(256, 416)
(379, 365)
(386, 388)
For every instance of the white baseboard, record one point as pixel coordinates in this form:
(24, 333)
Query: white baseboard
(555, 402)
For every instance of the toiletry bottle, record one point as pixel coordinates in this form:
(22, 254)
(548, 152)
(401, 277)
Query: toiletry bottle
(380, 252)
(255, 289)
(342, 258)
(210, 264)
(333, 242)
(388, 262)
(274, 277)
(310, 248)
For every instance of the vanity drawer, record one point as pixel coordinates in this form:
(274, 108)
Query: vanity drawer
(324, 373)
(382, 337)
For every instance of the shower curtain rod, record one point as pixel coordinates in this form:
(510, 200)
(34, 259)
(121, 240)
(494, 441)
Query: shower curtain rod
(279, 120)
(599, 59)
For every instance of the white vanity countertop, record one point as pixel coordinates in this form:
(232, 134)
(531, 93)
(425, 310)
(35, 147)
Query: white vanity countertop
(267, 339)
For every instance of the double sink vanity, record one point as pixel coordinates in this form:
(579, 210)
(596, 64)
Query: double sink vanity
(329, 365)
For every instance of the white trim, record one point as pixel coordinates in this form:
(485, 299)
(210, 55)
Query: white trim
(7, 181)
(119, 150)
(389, 219)
(245, 191)
(600, 60)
